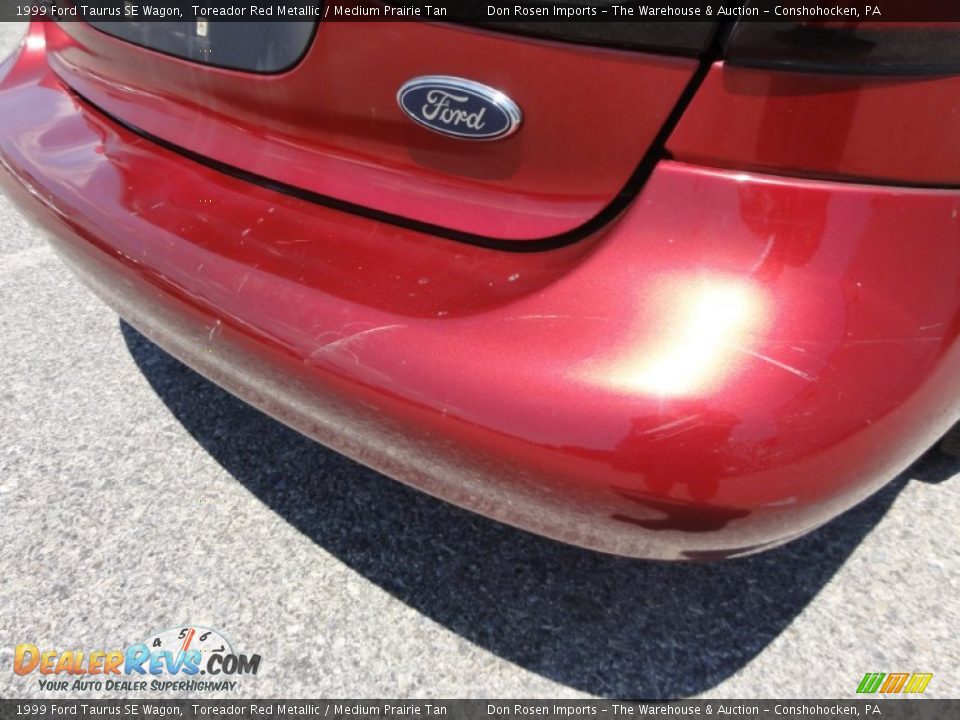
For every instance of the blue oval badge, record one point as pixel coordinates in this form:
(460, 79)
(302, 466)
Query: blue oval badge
(460, 108)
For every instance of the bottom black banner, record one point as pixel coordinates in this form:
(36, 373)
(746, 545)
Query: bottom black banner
(913, 708)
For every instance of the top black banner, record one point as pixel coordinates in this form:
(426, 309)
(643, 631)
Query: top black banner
(487, 11)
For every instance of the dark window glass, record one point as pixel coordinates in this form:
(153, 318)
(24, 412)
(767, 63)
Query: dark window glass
(266, 47)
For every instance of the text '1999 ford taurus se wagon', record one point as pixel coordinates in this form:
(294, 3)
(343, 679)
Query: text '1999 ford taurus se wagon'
(678, 289)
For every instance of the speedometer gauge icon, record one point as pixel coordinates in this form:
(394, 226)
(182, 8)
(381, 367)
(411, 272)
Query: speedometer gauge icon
(181, 640)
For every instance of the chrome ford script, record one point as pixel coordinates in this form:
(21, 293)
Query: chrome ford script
(458, 107)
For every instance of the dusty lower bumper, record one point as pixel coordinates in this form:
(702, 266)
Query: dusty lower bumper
(733, 362)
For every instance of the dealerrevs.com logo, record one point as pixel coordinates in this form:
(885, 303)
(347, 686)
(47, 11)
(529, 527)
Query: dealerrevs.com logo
(183, 659)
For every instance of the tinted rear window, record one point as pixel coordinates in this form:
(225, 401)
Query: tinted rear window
(267, 47)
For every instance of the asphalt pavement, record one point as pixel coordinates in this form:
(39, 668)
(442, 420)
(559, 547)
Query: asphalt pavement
(137, 496)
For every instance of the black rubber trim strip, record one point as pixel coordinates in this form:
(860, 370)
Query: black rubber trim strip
(905, 72)
(800, 174)
(619, 202)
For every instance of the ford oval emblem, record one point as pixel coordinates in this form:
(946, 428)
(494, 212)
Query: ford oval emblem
(460, 108)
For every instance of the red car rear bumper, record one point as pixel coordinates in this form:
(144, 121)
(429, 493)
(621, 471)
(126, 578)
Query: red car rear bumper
(735, 360)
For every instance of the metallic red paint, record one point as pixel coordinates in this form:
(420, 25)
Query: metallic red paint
(734, 361)
(332, 124)
(886, 128)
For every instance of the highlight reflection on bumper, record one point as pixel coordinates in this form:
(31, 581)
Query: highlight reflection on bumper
(735, 360)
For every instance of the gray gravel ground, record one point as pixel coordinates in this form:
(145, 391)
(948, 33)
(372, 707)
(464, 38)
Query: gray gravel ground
(134, 495)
